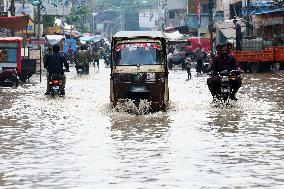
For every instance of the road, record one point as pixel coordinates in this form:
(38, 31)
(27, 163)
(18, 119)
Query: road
(79, 141)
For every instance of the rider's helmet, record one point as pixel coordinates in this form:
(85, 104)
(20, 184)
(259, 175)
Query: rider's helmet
(83, 47)
(56, 48)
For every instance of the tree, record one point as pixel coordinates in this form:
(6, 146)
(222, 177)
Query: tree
(78, 16)
(48, 20)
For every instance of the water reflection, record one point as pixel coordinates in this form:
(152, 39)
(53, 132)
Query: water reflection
(143, 127)
(141, 149)
(79, 142)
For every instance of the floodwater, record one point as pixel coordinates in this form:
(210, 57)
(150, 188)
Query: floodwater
(79, 142)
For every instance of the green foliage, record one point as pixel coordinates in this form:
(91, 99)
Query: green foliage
(78, 16)
(48, 20)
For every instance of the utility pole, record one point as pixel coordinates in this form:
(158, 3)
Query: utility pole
(248, 26)
(38, 19)
(210, 26)
(12, 9)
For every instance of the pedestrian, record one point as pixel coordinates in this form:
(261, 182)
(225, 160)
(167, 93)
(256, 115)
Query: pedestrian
(237, 27)
(199, 55)
(188, 65)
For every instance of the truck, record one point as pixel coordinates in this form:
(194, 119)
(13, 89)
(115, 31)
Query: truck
(271, 58)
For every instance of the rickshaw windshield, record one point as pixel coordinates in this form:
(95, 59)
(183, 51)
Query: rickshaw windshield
(138, 53)
(8, 52)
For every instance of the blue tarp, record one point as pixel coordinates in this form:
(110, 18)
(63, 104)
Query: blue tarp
(68, 42)
(94, 38)
(279, 10)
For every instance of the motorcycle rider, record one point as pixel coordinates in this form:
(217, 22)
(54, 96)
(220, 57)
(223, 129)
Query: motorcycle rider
(83, 58)
(223, 61)
(54, 65)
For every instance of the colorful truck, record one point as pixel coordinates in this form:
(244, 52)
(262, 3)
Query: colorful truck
(271, 58)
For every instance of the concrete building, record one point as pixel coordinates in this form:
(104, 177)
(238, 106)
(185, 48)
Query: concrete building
(176, 12)
(192, 19)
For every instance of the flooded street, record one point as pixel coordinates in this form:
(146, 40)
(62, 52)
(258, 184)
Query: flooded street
(79, 142)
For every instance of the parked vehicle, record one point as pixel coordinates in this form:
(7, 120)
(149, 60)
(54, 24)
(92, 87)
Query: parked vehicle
(255, 57)
(194, 41)
(139, 68)
(176, 59)
(28, 69)
(10, 60)
(9, 78)
(272, 58)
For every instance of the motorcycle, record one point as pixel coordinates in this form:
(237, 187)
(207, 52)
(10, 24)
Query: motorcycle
(82, 69)
(107, 59)
(177, 59)
(56, 85)
(226, 87)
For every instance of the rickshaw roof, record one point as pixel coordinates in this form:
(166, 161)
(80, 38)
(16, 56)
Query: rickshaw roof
(138, 34)
(10, 39)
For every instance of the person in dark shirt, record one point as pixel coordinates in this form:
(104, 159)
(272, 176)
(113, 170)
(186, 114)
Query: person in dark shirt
(237, 27)
(54, 64)
(223, 61)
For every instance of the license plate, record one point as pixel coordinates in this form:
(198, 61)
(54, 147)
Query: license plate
(79, 70)
(151, 76)
(55, 87)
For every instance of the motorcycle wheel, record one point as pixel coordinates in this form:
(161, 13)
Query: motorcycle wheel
(225, 97)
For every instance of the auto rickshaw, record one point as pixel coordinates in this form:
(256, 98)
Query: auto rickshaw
(139, 68)
(10, 60)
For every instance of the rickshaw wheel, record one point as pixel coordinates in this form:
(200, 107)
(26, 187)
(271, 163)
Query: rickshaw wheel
(11, 81)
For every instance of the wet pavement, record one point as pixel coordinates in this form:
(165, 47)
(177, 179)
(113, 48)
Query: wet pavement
(79, 142)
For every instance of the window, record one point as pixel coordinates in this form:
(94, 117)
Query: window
(172, 15)
(138, 53)
(8, 55)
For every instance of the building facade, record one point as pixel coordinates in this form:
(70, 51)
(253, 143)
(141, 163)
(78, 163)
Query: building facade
(176, 12)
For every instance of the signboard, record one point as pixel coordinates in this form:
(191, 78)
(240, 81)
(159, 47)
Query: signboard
(56, 8)
(4, 14)
(198, 13)
(38, 41)
(34, 54)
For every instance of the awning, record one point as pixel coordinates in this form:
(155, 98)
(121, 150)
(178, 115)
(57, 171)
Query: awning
(180, 29)
(15, 23)
(279, 10)
(229, 33)
(54, 39)
(172, 36)
(226, 28)
(94, 38)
